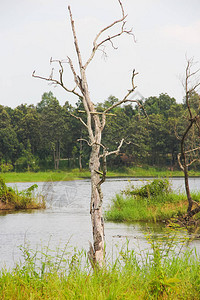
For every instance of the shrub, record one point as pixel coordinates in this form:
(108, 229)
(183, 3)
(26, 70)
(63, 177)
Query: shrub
(20, 200)
(6, 167)
(154, 188)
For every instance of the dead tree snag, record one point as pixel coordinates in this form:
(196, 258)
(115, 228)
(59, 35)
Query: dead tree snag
(190, 149)
(95, 123)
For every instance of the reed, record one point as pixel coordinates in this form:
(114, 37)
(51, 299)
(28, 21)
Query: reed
(160, 274)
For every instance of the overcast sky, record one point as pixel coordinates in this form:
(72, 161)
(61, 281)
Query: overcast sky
(32, 31)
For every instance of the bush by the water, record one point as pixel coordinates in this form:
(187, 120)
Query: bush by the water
(154, 201)
(152, 189)
(13, 199)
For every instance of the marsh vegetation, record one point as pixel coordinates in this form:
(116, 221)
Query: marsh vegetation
(11, 198)
(163, 272)
(154, 201)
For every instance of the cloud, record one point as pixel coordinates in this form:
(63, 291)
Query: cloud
(186, 34)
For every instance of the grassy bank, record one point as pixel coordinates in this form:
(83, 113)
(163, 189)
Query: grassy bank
(157, 276)
(45, 176)
(152, 202)
(12, 199)
(75, 174)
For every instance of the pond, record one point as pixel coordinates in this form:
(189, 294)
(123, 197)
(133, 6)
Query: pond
(67, 219)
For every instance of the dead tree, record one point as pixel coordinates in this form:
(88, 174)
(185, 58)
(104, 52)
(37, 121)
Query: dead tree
(190, 152)
(95, 122)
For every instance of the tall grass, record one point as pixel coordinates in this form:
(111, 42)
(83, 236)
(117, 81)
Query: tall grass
(13, 199)
(159, 275)
(130, 209)
(148, 203)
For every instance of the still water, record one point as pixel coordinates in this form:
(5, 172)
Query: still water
(67, 219)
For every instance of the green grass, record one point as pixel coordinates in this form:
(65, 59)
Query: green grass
(160, 275)
(130, 209)
(45, 176)
(148, 204)
(12, 199)
(75, 174)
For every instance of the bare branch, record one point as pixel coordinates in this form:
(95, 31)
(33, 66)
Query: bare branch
(176, 133)
(194, 73)
(104, 54)
(126, 96)
(109, 38)
(190, 163)
(84, 140)
(124, 100)
(106, 153)
(120, 3)
(179, 161)
(73, 70)
(75, 39)
(104, 166)
(97, 113)
(60, 71)
(132, 80)
(129, 142)
(194, 87)
(112, 44)
(117, 104)
(96, 45)
(57, 82)
(192, 150)
(188, 90)
(79, 118)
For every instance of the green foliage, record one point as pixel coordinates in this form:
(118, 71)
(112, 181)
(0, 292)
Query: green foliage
(160, 273)
(160, 105)
(75, 174)
(152, 202)
(3, 188)
(27, 161)
(152, 189)
(13, 199)
(5, 167)
(44, 136)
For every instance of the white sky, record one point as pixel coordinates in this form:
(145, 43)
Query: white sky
(31, 31)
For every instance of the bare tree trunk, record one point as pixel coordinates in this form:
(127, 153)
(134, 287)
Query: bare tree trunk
(187, 188)
(96, 210)
(80, 154)
(185, 169)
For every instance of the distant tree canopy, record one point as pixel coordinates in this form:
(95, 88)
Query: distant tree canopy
(45, 136)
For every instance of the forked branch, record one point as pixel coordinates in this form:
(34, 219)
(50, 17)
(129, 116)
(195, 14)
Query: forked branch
(124, 100)
(80, 119)
(107, 153)
(97, 44)
(54, 81)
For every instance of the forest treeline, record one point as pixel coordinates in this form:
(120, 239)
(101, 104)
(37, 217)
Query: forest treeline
(47, 136)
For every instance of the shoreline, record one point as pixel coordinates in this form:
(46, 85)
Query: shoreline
(71, 175)
(4, 207)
